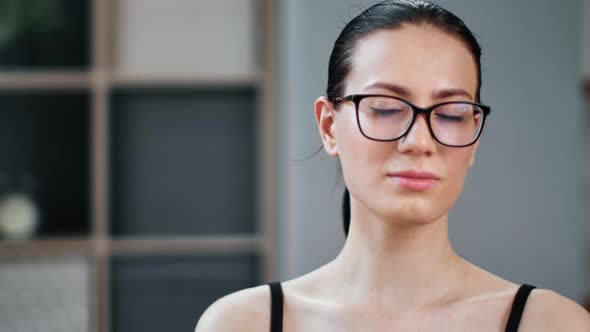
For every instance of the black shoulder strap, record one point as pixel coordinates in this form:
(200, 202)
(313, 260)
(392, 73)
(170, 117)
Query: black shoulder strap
(518, 307)
(276, 307)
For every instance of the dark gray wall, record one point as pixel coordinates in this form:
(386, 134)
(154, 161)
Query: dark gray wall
(521, 214)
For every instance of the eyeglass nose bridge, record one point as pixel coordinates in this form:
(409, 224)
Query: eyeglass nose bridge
(416, 110)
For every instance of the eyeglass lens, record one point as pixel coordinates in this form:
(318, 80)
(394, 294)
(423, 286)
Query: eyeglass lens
(384, 118)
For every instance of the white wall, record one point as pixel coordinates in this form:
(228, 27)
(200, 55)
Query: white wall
(521, 213)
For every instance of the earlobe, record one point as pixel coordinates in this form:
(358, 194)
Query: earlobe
(325, 120)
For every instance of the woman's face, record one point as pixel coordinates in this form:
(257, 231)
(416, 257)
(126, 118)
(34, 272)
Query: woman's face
(424, 66)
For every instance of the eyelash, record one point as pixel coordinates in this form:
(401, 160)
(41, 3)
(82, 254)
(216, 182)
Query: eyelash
(450, 118)
(385, 112)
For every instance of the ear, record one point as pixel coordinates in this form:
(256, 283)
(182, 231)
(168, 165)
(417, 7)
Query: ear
(325, 120)
(473, 151)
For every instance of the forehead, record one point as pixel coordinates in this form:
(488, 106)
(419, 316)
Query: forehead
(423, 59)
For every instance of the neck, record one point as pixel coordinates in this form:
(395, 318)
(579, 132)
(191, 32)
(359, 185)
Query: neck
(411, 263)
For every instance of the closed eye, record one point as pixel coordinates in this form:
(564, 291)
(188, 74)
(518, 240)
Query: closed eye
(385, 112)
(450, 118)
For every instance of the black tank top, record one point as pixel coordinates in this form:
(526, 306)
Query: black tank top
(276, 306)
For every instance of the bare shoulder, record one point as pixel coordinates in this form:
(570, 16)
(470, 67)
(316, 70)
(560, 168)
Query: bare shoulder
(244, 310)
(547, 310)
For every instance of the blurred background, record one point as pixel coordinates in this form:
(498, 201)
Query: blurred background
(153, 154)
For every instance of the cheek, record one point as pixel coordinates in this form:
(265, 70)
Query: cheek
(361, 159)
(456, 163)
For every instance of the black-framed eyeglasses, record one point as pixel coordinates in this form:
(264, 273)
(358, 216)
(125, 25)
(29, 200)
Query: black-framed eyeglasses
(389, 118)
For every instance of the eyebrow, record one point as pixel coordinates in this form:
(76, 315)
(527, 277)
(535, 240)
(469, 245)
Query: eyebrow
(405, 92)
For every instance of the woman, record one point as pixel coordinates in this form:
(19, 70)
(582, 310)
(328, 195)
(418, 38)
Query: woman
(403, 116)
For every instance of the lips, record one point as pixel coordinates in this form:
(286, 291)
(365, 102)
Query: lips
(415, 179)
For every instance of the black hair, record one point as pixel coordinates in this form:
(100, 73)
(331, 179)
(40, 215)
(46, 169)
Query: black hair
(391, 14)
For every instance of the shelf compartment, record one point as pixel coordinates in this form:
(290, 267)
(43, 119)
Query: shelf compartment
(48, 34)
(46, 294)
(163, 37)
(183, 162)
(169, 293)
(44, 138)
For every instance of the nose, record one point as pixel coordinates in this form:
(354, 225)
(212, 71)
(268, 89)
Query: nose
(418, 140)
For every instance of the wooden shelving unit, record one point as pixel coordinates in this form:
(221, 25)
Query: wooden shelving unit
(99, 81)
(45, 81)
(53, 246)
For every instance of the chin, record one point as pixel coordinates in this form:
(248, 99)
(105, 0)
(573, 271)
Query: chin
(411, 214)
